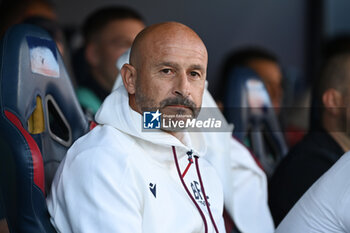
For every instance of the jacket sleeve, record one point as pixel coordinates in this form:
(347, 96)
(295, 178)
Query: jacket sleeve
(94, 193)
(244, 183)
(293, 177)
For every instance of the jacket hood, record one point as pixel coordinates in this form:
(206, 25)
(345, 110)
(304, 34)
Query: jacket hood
(116, 112)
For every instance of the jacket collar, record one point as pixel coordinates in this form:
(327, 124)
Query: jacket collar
(116, 112)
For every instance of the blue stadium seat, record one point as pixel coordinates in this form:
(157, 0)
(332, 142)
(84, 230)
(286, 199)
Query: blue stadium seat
(40, 118)
(248, 107)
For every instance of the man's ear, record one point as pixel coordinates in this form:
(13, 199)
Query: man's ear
(333, 101)
(128, 73)
(91, 54)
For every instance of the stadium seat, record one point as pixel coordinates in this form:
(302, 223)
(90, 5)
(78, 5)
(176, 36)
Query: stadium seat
(40, 118)
(248, 107)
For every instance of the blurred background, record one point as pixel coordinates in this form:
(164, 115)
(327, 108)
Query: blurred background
(294, 30)
(280, 26)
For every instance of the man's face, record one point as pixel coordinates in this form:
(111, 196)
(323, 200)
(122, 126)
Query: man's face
(115, 38)
(171, 77)
(271, 75)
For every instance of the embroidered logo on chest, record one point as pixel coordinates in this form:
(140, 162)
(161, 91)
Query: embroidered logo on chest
(198, 194)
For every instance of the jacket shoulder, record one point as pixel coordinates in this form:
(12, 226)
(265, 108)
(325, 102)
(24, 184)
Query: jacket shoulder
(103, 148)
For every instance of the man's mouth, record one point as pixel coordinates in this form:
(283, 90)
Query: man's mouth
(178, 106)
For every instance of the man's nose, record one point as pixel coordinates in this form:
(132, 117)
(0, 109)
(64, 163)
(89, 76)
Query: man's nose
(181, 86)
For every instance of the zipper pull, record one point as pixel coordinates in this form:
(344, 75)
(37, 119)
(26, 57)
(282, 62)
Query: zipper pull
(190, 161)
(189, 154)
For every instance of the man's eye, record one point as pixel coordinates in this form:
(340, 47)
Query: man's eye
(166, 71)
(194, 74)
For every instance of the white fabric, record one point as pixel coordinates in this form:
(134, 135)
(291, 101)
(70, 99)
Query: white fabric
(244, 183)
(325, 207)
(104, 184)
(119, 64)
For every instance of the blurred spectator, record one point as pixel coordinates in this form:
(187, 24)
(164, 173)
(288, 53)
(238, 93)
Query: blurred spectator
(259, 130)
(108, 33)
(289, 104)
(15, 11)
(339, 44)
(320, 148)
(264, 63)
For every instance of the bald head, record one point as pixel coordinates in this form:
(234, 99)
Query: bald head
(157, 35)
(167, 70)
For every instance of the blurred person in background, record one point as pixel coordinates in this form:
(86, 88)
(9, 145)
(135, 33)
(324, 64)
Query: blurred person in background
(15, 11)
(322, 146)
(291, 113)
(264, 63)
(108, 32)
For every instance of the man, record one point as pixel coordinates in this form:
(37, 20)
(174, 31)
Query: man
(264, 64)
(108, 33)
(319, 149)
(118, 178)
(325, 206)
(244, 183)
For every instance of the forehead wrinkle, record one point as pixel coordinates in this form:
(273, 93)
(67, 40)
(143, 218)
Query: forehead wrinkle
(198, 54)
(166, 63)
(170, 34)
(164, 47)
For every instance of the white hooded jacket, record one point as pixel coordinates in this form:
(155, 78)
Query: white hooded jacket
(118, 178)
(244, 183)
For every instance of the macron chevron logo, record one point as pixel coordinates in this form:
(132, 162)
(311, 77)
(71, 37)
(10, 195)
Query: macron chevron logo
(153, 187)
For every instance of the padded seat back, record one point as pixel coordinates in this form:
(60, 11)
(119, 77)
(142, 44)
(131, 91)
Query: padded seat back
(248, 107)
(40, 118)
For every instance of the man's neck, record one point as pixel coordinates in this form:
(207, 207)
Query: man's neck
(335, 127)
(342, 139)
(179, 135)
